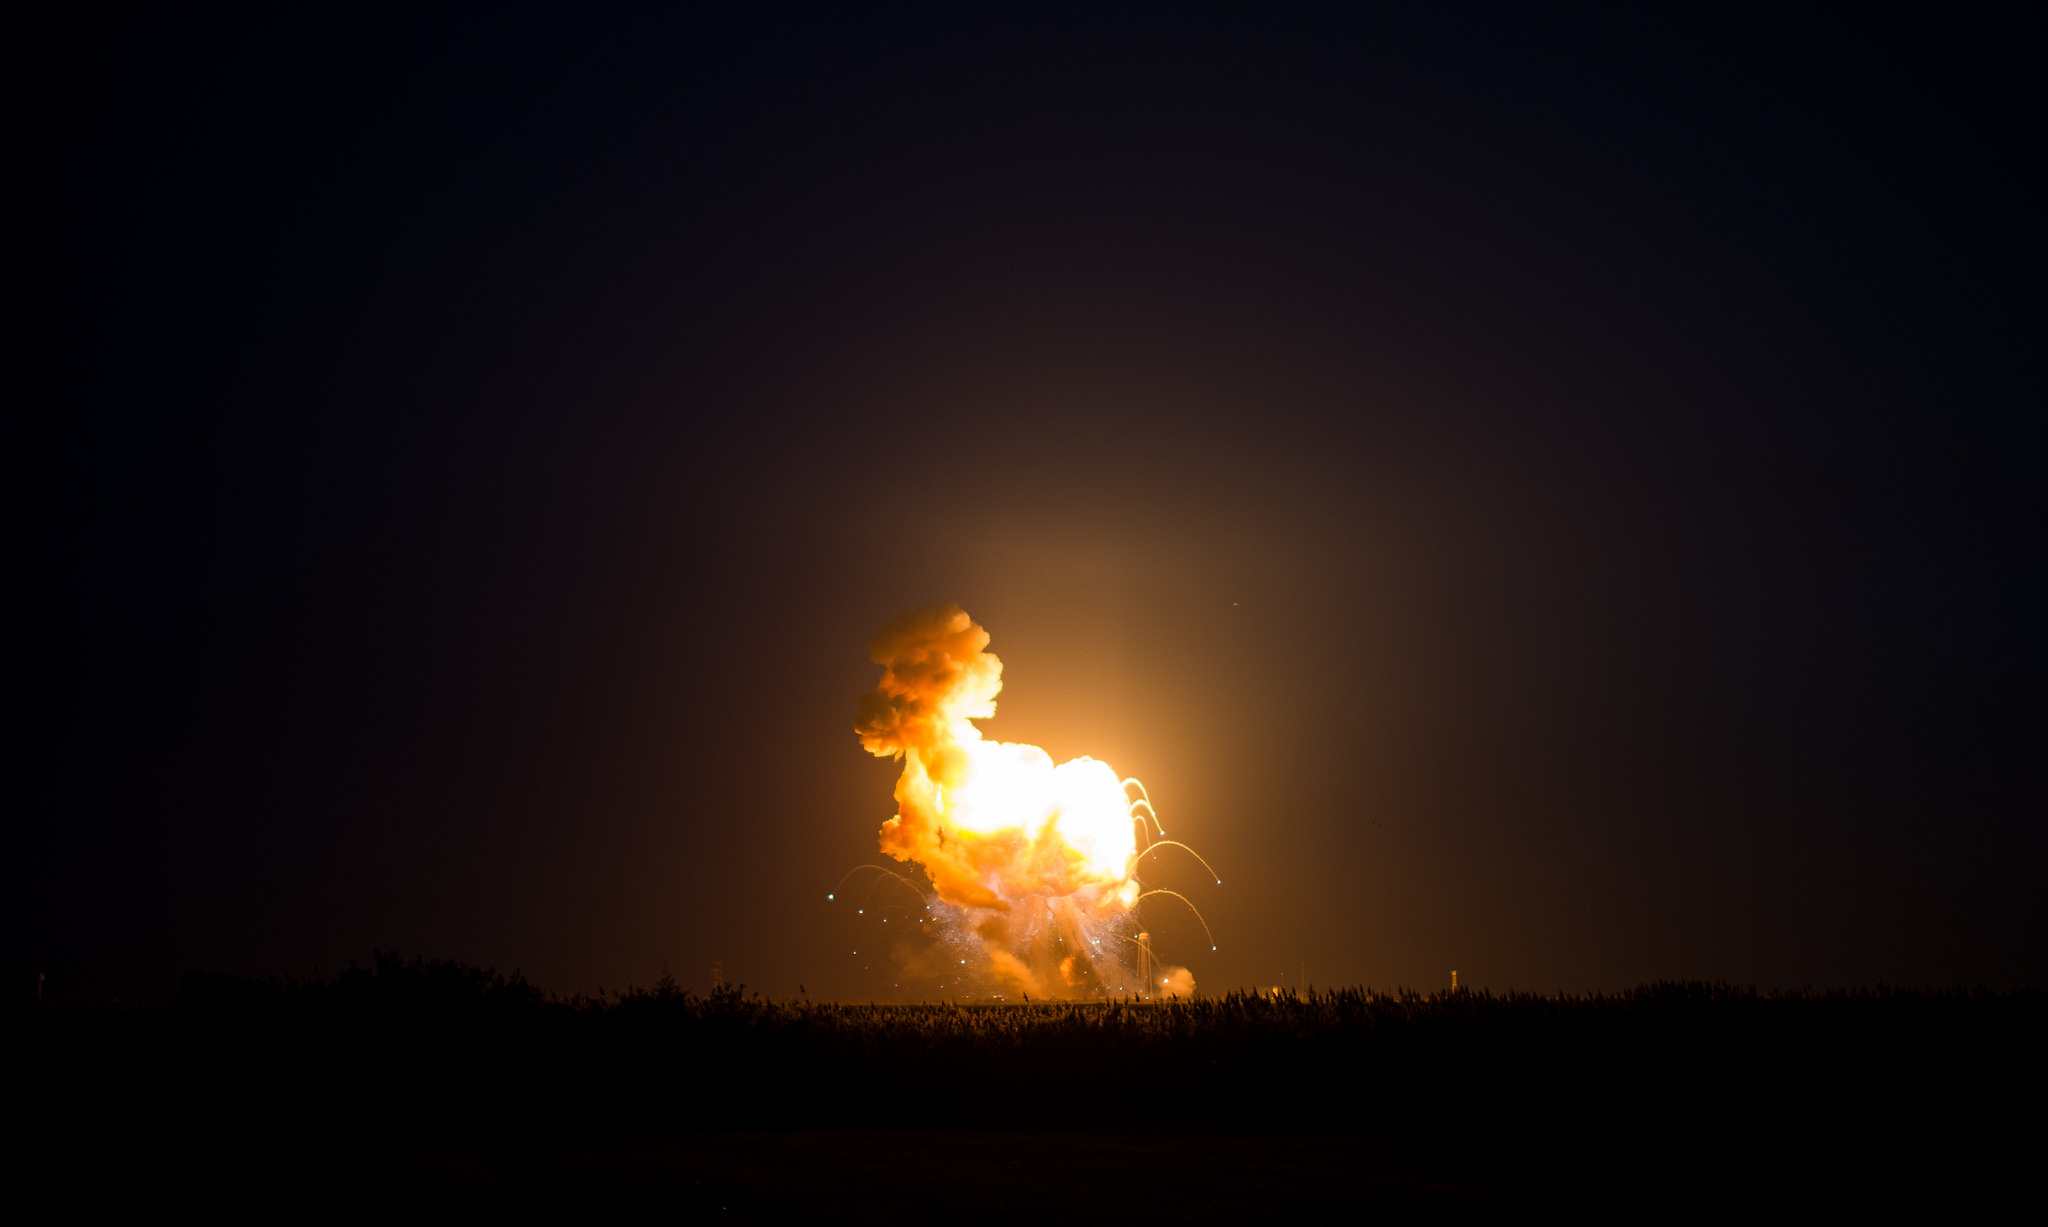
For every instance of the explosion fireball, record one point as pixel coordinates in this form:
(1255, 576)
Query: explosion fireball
(1032, 865)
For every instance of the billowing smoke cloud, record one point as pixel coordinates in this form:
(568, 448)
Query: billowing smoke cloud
(1037, 859)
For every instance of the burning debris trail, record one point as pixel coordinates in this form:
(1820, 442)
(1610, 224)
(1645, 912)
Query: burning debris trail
(1032, 865)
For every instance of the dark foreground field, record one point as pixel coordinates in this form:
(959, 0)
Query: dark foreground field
(438, 1089)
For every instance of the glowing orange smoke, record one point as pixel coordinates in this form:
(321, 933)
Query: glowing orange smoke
(1036, 859)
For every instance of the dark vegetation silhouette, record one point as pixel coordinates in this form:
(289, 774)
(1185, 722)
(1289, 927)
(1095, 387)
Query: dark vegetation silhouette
(1671, 1080)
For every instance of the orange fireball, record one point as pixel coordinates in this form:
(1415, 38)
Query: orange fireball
(1041, 855)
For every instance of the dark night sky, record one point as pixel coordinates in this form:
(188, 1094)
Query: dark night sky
(1554, 498)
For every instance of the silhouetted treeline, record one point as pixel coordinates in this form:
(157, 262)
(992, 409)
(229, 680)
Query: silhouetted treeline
(429, 1052)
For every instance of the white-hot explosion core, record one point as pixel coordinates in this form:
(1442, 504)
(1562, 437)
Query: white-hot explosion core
(1036, 861)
